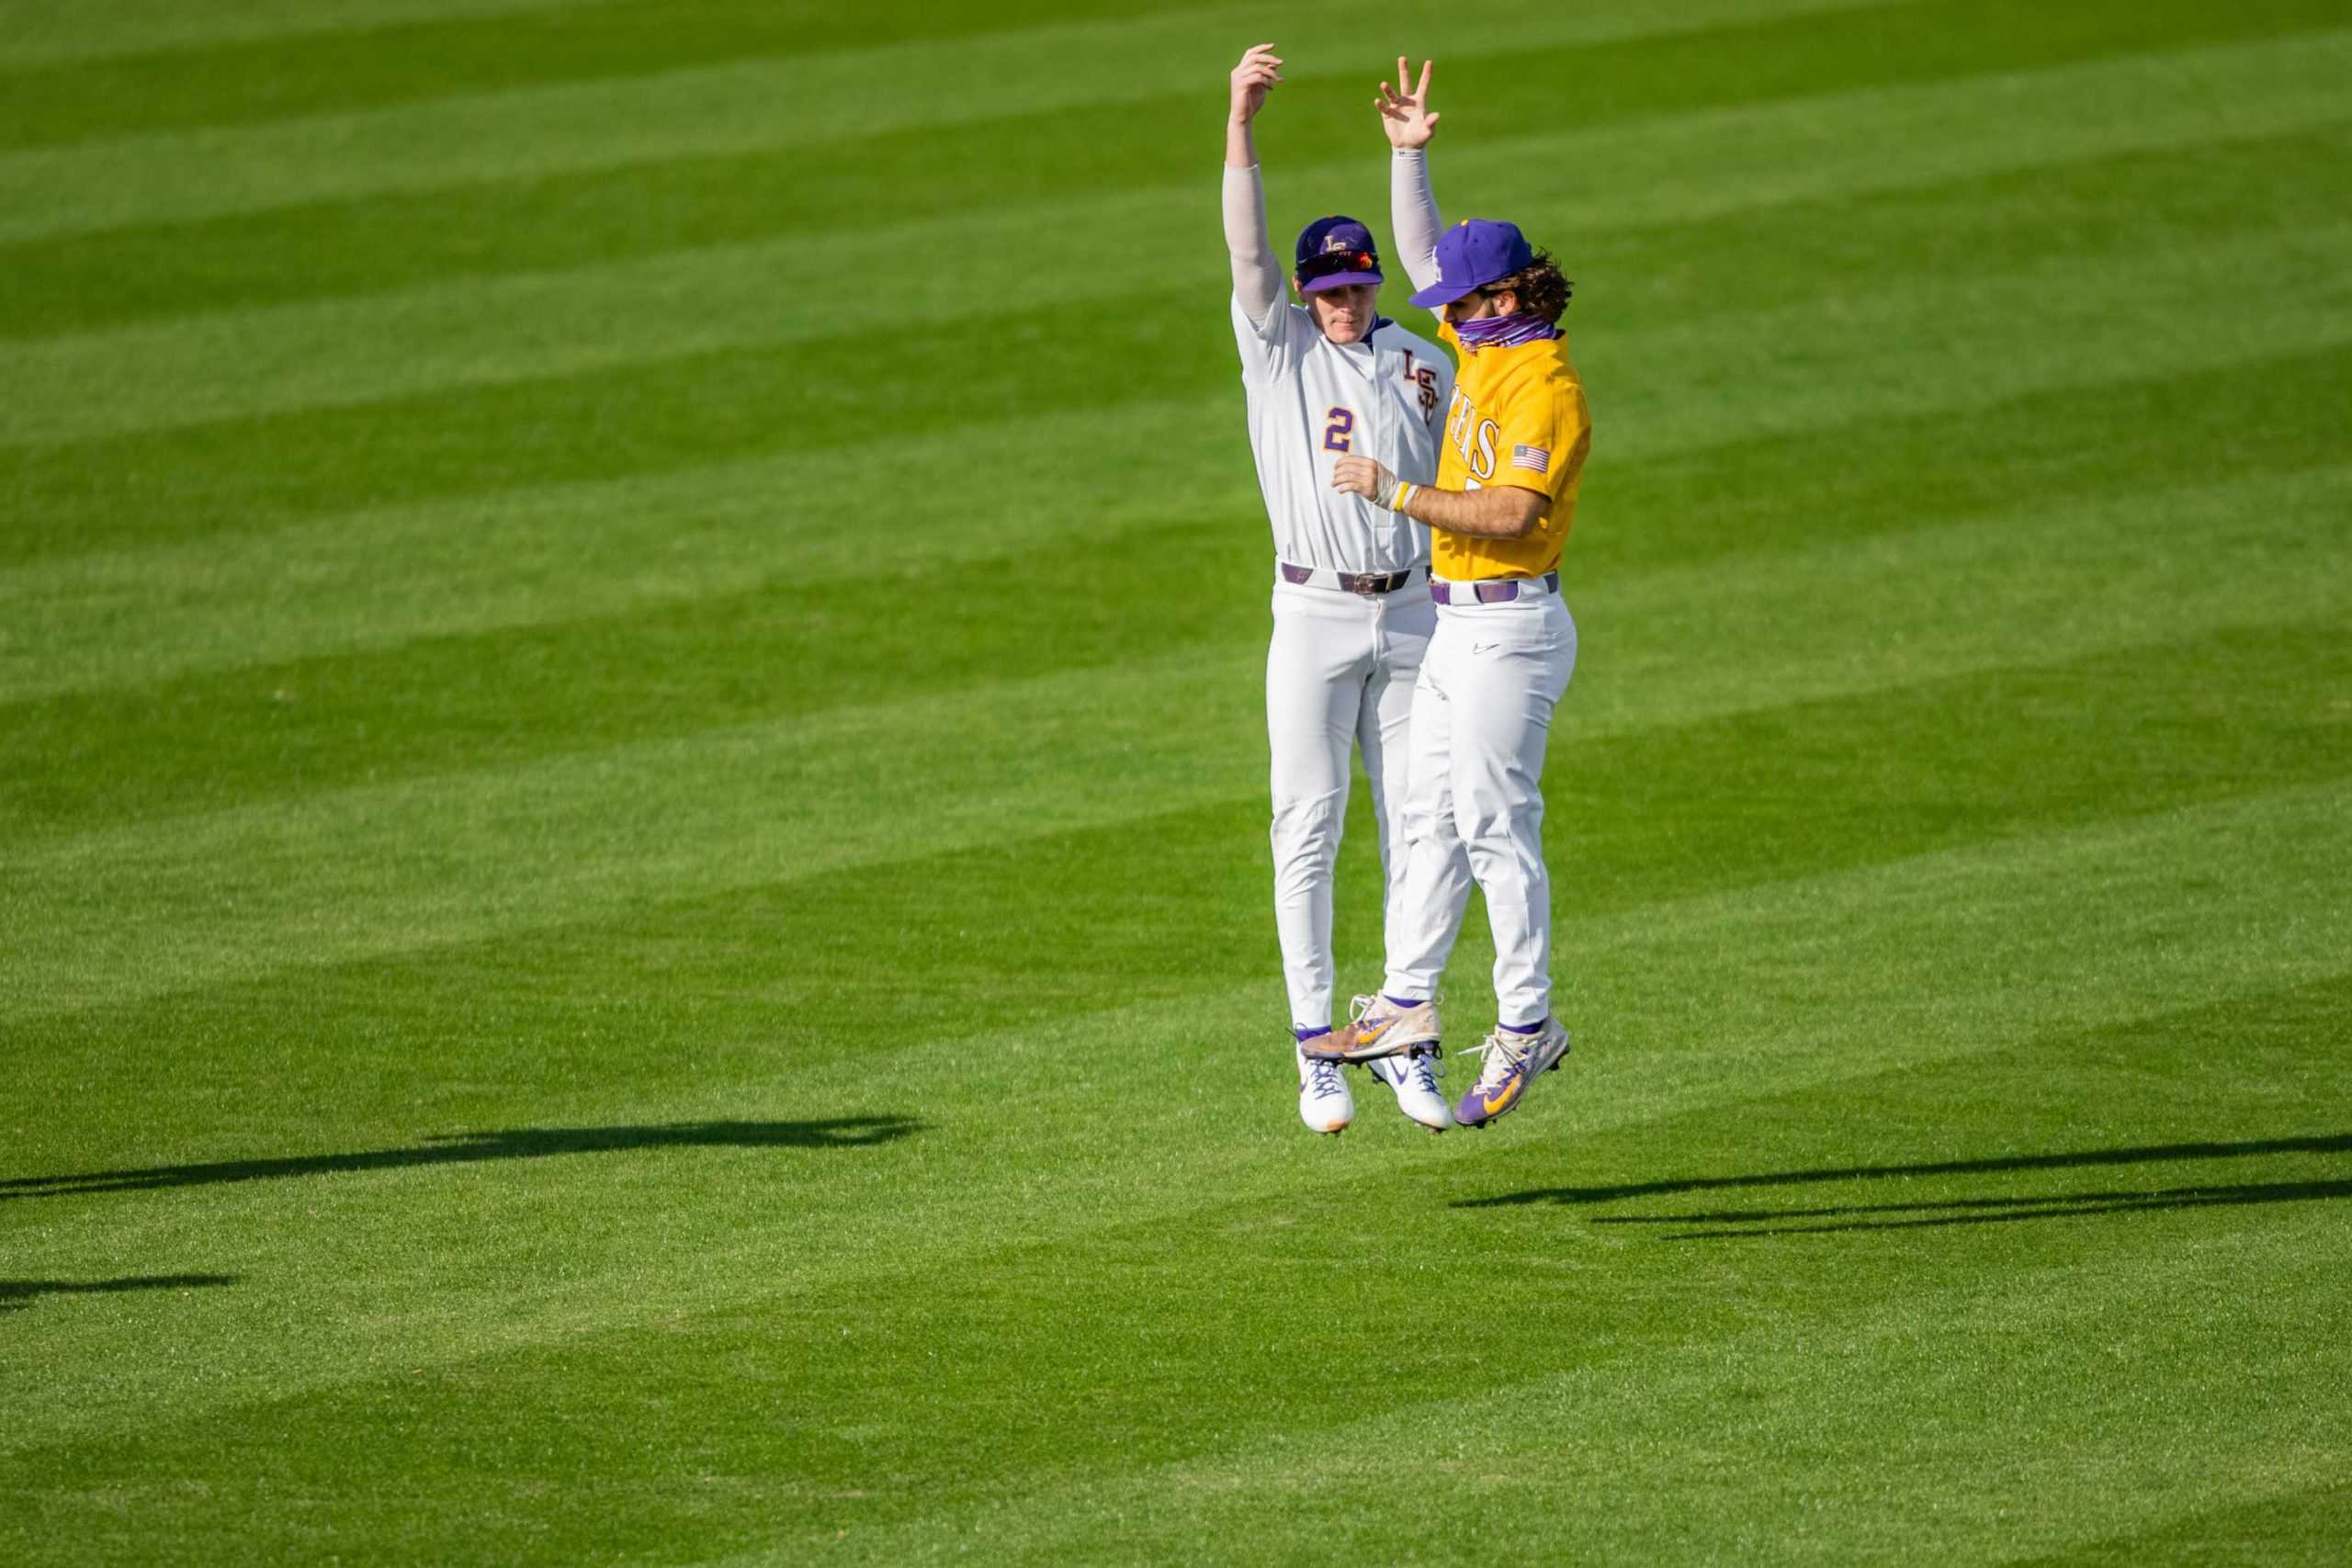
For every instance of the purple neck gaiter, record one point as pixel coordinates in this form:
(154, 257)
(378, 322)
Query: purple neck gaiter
(1502, 331)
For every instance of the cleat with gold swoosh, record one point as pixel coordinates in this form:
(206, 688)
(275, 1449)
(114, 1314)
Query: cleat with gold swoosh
(1380, 1028)
(1512, 1060)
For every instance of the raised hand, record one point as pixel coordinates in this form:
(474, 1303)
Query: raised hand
(1255, 77)
(1405, 110)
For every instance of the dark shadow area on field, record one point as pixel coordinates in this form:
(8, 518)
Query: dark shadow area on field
(463, 1148)
(15, 1295)
(1967, 1212)
(1936, 1212)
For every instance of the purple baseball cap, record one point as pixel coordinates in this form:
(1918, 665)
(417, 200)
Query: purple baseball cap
(1334, 252)
(1473, 253)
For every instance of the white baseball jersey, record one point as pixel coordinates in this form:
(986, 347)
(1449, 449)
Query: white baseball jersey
(1313, 402)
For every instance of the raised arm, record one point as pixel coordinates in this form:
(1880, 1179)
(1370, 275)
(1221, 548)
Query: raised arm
(1412, 208)
(1257, 272)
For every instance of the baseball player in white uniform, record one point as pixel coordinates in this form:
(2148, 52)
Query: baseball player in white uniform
(1327, 377)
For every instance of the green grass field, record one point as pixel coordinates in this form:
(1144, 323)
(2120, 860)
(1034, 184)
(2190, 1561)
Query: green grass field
(634, 917)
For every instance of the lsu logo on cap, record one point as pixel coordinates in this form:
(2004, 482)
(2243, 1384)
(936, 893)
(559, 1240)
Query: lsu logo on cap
(1334, 243)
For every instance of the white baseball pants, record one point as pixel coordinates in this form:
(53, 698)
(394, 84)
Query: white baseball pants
(1474, 803)
(1340, 674)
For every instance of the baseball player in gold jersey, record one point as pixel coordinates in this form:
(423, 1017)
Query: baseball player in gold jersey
(1516, 435)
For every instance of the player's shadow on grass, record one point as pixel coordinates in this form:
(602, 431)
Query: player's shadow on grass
(15, 1295)
(1928, 1212)
(466, 1148)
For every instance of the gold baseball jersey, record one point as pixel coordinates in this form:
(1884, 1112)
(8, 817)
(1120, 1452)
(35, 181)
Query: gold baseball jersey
(1518, 418)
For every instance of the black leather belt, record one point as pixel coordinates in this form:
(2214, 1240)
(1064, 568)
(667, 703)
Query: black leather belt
(1372, 585)
(1499, 591)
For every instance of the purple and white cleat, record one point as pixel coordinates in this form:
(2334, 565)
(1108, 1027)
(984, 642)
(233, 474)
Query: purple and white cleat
(1512, 1059)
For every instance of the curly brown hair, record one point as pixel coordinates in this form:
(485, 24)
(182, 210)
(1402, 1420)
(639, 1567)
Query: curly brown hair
(1541, 288)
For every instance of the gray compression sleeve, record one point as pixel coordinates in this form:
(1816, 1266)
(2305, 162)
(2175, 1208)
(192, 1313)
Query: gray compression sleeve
(1412, 211)
(1257, 276)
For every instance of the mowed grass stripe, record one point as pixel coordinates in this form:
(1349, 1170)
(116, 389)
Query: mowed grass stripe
(482, 852)
(360, 66)
(2134, 548)
(2074, 199)
(975, 190)
(500, 699)
(651, 416)
(497, 699)
(850, 1395)
(783, 649)
(1763, 1383)
(1123, 1247)
(134, 617)
(2023, 1452)
(2071, 578)
(930, 1353)
(48, 32)
(1899, 351)
(512, 558)
(1981, 949)
(734, 109)
(1781, 369)
(2027, 1114)
(768, 962)
(435, 861)
(2058, 448)
(2284, 1525)
(1030, 927)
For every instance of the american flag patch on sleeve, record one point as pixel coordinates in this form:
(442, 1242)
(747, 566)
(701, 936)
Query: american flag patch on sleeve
(1534, 459)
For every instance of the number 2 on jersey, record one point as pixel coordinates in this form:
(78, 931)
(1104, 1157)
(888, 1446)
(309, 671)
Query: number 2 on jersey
(1336, 434)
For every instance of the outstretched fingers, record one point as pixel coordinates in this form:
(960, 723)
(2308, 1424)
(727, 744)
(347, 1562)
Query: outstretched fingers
(1406, 106)
(1254, 79)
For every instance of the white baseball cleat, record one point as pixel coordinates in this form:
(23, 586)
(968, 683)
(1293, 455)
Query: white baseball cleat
(1380, 1028)
(1324, 1102)
(1414, 1078)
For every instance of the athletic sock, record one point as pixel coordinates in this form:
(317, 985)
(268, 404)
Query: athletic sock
(1524, 1028)
(1305, 1034)
(1405, 1002)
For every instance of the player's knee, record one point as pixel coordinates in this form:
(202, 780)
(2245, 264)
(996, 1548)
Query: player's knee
(1514, 835)
(1504, 857)
(1306, 827)
(1427, 822)
(1499, 821)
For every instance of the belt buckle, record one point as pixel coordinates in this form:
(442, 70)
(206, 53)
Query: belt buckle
(1365, 585)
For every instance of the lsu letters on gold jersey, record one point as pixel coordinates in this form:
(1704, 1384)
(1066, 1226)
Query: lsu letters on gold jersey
(1518, 418)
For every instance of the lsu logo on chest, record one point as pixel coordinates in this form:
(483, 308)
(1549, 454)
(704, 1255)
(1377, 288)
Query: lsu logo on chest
(1423, 380)
(1474, 439)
